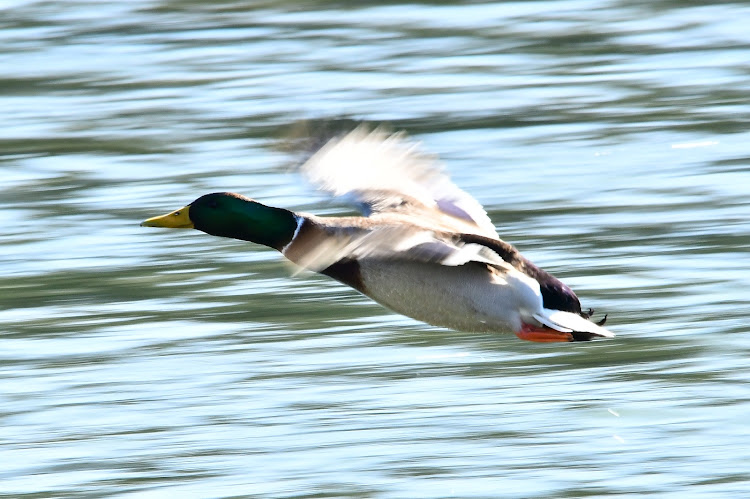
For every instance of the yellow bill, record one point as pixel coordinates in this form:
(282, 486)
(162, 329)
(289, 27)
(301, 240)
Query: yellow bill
(178, 219)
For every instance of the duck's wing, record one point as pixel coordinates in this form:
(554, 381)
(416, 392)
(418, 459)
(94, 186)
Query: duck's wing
(317, 246)
(386, 173)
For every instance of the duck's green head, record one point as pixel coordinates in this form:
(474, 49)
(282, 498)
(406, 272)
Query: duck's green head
(227, 214)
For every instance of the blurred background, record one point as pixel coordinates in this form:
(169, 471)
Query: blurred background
(608, 140)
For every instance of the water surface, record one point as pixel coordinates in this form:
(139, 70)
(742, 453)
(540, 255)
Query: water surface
(608, 141)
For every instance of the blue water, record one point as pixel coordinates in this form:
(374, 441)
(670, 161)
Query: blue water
(607, 140)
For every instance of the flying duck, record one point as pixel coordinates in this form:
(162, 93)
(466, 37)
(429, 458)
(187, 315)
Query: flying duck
(424, 248)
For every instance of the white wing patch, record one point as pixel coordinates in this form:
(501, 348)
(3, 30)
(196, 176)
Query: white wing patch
(387, 173)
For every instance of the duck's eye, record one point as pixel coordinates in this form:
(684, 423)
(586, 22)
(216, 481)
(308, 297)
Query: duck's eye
(213, 204)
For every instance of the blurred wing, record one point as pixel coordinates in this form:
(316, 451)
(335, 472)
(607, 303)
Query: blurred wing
(382, 173)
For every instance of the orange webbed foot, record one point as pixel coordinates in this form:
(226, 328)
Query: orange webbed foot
(542, 334)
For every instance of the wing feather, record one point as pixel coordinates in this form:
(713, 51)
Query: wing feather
(386, 173)
(319, 246)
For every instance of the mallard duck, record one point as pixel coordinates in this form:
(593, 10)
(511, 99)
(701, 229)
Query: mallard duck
(424, 248)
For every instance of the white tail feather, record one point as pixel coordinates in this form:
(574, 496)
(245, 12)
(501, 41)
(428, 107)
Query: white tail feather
(567, 322)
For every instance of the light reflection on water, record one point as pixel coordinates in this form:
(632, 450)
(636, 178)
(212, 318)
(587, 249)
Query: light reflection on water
(607, 141)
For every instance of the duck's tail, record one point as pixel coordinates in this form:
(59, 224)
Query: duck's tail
(565, 322)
